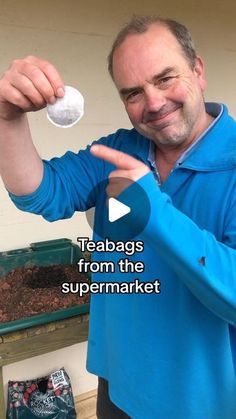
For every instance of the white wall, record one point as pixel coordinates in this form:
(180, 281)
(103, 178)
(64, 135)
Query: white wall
(76, 37)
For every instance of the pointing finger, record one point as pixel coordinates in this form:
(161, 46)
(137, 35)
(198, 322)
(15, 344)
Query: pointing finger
(118, 158)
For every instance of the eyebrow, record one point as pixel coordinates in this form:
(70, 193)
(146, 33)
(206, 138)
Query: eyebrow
(164, 73)
(125, 91)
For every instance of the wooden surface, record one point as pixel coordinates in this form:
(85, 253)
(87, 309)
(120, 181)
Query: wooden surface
(39, 340)
(86, 405)
(17, 346)
(2, 408)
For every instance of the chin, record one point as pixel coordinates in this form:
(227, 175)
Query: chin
(170, 137)
(164, 139)
(169, 141)
(167, 136)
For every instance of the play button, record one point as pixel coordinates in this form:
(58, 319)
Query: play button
(116, 210)
(121, 217)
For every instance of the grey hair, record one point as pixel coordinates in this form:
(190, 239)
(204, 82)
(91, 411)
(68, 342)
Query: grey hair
(140, 24)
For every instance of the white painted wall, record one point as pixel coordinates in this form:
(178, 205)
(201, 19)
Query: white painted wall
(76, 37)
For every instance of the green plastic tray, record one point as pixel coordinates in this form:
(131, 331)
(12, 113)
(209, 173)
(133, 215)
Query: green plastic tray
(59, 251)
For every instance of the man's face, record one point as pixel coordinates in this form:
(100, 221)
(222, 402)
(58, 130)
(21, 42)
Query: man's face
(162, 94)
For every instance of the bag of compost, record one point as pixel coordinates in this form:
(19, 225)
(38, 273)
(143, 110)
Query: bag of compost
(47, 397)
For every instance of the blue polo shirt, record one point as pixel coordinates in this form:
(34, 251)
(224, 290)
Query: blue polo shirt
(171, 354)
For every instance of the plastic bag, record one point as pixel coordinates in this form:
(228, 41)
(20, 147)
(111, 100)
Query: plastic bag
(46, 397)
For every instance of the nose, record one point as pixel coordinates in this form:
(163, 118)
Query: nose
(154, 99)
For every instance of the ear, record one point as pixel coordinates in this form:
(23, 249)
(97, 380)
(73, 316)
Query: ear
(199, 71)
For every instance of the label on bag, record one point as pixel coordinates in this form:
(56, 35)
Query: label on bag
(58, 379)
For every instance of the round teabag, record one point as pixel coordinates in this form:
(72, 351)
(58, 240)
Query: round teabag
(68, 110)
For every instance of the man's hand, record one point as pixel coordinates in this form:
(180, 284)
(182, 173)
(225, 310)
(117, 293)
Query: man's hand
(128, 170)
(28, 85)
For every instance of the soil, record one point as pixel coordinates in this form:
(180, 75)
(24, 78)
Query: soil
(27, 292)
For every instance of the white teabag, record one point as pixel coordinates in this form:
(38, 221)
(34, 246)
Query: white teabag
(68, 110)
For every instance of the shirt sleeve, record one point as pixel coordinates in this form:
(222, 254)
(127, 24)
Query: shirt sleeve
(206, 266)
(68, 185)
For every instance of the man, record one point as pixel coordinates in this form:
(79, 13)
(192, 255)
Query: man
(158, 355)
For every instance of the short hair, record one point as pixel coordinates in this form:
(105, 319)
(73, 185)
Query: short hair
(140, 24)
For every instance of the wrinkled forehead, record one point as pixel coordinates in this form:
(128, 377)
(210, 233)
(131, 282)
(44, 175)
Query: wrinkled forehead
(140, 54)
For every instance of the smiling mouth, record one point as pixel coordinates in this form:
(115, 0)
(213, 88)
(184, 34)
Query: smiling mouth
(161, 121)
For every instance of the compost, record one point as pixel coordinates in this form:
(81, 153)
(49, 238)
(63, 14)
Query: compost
(35, 290)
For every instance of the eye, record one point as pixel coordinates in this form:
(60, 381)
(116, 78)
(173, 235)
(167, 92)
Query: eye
(133, 96)
(166, 81)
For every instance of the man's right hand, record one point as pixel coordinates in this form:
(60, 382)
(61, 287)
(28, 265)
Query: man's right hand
(28, 85)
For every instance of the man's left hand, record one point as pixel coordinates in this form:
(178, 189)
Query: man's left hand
(128, 170)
